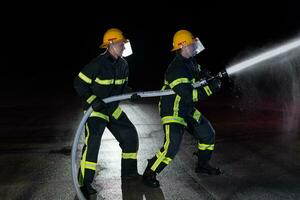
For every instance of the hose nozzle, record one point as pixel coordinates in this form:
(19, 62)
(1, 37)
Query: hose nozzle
(223, 74)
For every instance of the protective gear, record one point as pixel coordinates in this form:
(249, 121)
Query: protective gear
(88, 192)
(179, 77)
(135, 97)
(131, 176)
(203, 165)
(177, 112)
(103, 77)
(128, 89)
(215, 85)
(173, 137)
(198, 46)
(112, 35)
(149, 177)
(203, 74)
(98, 105)
(208, 169)
(127, 49)
(184, 38)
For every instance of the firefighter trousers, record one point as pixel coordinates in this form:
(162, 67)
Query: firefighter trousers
(202, 130)
(124, 132)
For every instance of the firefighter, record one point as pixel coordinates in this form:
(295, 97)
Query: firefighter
(104, 76)
(178, 112)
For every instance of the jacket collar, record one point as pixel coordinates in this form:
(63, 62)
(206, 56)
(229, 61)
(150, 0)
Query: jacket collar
(185, 60)
(110, 57)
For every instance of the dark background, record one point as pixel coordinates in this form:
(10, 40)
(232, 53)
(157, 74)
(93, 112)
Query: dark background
(46, 45)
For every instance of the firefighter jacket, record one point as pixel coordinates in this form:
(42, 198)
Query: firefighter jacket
(179, 77)
(103, 77)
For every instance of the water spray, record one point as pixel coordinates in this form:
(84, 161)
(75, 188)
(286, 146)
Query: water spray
(221, 75)
(263, 57)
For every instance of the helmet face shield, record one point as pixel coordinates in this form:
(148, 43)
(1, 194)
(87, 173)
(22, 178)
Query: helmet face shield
(198, 46)
(127, 49)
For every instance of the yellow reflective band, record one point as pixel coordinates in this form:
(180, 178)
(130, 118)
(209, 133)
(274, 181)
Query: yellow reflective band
(197, 115)
(173, 119)
(166, 145)
(82, 162)
(207, 90)
(85, 78)
(158, 154)
(199, 67)
(167, 160)
(91, 99)
(121, 81)
(206, 146)
(211, 147)
(195, 95)
(87, 134)
(159, 107)
(83, 158)
(104, 82)
(100, 115)
(179, 81)
(163, 154)
(176, 105)
(166, 82)
(129, 156)
(116, 114)
(90, 165)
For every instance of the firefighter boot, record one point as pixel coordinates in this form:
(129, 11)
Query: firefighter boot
(203, 165)
(149, 177)
(89, 192)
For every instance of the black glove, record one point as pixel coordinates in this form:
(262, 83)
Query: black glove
(204, 74)
(127, 89)
(215, 85)
(135, 97)
(98, 105)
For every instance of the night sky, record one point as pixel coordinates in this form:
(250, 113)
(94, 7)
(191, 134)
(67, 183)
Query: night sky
(47, 45)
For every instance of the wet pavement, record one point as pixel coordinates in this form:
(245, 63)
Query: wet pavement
(260, 159)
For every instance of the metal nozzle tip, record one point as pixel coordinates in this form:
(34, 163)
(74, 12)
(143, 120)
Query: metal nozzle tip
(223, 74)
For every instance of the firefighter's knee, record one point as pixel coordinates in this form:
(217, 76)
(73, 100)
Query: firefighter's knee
(205, 132)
